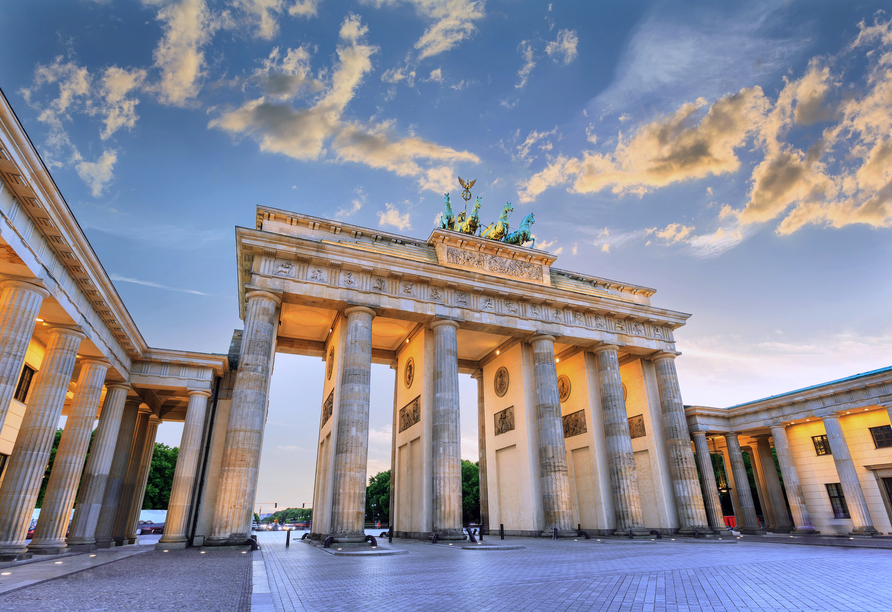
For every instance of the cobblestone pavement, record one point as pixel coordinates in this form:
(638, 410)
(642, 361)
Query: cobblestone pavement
(585, 575)
(182, 580)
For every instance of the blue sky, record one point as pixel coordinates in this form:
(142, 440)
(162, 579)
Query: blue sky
(737, 158)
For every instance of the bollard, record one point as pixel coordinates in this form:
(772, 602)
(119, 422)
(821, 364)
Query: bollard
(328, 542)
(696, 534)
(631, 536)
(578, 526)
(582, 533)
(481, 532)
(371, 539)
(390, 535)
(501, 531)
(434, 539)
(656, 533)
(288, 539)
(471, 536)
(305, 536)
(554, 534)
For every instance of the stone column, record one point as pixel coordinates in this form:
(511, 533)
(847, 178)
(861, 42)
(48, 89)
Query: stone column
(481, 451)
(801, 517)
(764, 504)
(732, 488)
(553, 474)
(145, 466)
(773, 487)
(748, 518)
(352, 450)
(393, 431)
(240, 468)
(688, 497)
(185, 474)
(131, 476)
(27, 464)
(92, 490)
(620, 456)
(111, 498)
(713, 504)
(848, 477)
(19, 305)
(52, 524)
(446, 434)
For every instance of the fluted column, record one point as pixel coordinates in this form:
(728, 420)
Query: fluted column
(801, 517)
(446, 433)
(774, 491)
(92, 490)
(764, 503)
(682, 466)
(131, 476)
(748, 518)
(862, 524)
(352, 450)
(240, 468)
(145, 466)
(111, 498)
(19, 305)
(481, 451)
(553, 475)
(21, 485)
(620, 456)
(49, 535)
(185, 473)
(712, 502)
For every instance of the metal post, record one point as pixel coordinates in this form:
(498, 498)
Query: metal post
(288, 539)
(501, 531)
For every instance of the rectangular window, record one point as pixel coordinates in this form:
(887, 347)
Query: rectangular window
(882, 436)
(822, 446)
(837, 500)
(21, 391)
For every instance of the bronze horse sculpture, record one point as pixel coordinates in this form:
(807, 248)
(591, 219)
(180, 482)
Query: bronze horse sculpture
(499, 229)
(522, 235)
(469, 224)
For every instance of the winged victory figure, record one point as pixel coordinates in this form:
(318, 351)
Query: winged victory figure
(466, 184)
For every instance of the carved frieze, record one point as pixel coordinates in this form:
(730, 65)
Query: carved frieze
(494, 264)
(564, 387)
(504, 420)
(327, 408)
(574, 424)
(636, 427)
(330, 362)
(348, 279)
(409, 373)
(410, 414)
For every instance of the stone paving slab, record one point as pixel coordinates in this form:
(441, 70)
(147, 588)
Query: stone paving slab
(610, 575)
(182, 580)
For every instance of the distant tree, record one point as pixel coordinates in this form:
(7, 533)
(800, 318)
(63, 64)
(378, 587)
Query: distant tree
(470, 492)
(289, 515)
(377, 498)
(256, 518)
(164, 462)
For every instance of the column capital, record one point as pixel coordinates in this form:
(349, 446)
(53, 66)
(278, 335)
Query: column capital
(761, 436)
(439, 322)
(118, 385)
(605, 347)
(153, 420)
(541, 337)
(731, 434)
(351, 309)
(663, 355)
(255, 294)
(95, 361)
(66, 330)
(699, 433)
(477, 374)
(204, 392)
(25, 286)
(144, 409)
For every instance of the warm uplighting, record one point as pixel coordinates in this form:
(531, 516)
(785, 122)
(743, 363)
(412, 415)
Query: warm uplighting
(807, 420)
(498, 352)
(5, 573)
(245, 552)
(557, 360)
(39, 320)
(204, 551)
(92, 555)
(165, 551)
(58, 563)
(407, 341)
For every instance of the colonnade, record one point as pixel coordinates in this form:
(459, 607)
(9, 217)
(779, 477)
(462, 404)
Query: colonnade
(105, 490)
(771, 491)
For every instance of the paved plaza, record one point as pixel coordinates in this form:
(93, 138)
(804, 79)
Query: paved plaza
(565, 575)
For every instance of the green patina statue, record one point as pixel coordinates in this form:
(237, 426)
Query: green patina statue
(522, 235)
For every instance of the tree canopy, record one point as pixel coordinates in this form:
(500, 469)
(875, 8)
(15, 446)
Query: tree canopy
(164, 462)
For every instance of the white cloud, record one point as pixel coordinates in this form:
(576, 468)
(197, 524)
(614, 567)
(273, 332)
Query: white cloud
(188, 26)
(288, 76)
(320, 130)
(436, 76)
(98, 174)
(529, 62)
(563, 50)
(355, 205)
(453, 22)
(534, 139)
(120, 108)
(672, 233)
(393, 217)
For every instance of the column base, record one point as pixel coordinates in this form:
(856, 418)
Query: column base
(105, 543)
(804, 531)
(866, 532)
(237, 539)
(784, 529)
(48, 549)
(348, 537)
(637, 532)
(7, 556)
(562, 533)
(704, 532)
(752, 531)
(81, 547)
(171, 545)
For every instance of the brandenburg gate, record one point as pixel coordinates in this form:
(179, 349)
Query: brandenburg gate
(579, 411)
